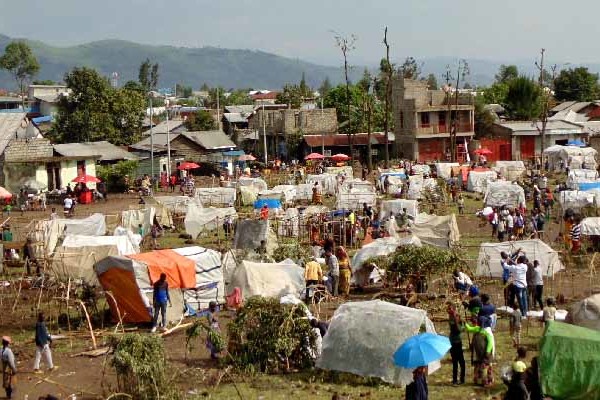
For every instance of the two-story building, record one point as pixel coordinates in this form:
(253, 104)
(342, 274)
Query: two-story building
(43, 99)
(423, 120)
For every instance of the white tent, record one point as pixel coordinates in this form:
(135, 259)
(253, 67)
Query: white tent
(488, 261)
(379, 247)
(393, 207)
(209, 277)
(575, 199)
(421, 169)
(577, 176)
(478, 180)
(354, 193)
(257, 183)
(436, 230)
(327, 182)
(304, 192)
(132, 219)
(586, 313)
(199, 219)
(395, 184)
(289, 192)
(215, 196)
(571, 156)
(444, 169)
(288, 223)
(248, 194)
(502, 193)
(510, 170)
(345, 170)
(176, 204)
(268, 279)
(363, 336)
(590, 226)
(48, 232)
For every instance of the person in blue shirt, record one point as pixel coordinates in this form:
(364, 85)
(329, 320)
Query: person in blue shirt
(160, 300)
(487, 313)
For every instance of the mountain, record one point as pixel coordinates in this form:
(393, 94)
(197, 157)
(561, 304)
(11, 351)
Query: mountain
(189, 66)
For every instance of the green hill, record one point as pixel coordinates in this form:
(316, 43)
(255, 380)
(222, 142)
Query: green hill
(190, 66)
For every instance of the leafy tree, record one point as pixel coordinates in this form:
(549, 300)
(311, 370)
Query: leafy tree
(495, 94)
(148, 75)
(20, 62)
(325, 87)
(357, 122)
(135, 86)
(201, 120)
(523, 99)
(577, 84)
(183, 91)
(484, 119)
(432, 83)
(294, 95)
(365, 82)
(44, 82)
(96, 111)
(410, 68)
(238, 97)
(304, 89)
(507, 73)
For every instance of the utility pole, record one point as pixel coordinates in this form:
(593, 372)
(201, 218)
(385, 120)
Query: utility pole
(545, 105)
(264, 133)
(168, 140)
(447, 76)
(322, 131)
(218, 110)
(388, 97)
(151, 140)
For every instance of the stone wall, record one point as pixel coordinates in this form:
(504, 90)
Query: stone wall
(289, 122)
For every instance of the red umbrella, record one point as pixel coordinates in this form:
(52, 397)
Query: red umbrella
(340, 157)
(246, 157)
(4, 194)
(188, 165)
(86, 179)
(483, 152)
(314, 156)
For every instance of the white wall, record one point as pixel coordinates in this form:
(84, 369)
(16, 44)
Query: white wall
(68, 172)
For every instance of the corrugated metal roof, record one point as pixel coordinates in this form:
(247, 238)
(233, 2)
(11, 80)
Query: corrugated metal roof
(50, 98)
(234, 118)
(242, 109)
(360, 139)
(562, 106)
(569, 116)
(104, 151)
(160, 142)
(13, 125)
(531, 126)
(210, 140)
(162, 127)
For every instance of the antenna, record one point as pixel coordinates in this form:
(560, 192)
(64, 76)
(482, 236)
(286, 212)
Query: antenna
(114, 79)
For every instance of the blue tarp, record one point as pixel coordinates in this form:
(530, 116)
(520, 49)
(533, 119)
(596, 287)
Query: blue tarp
(39, 120)
(397, 174)
(234, 153)
(575, 142)
(271, 203)
(585, 186)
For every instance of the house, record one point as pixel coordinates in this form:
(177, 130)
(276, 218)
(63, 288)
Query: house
(423, 119)
(263, 97)
(24, 159)
(171, 126)
(16, 125)
(590, 109)
(103, 151)
(281, 124)
(44, 98)
(525, 140)
(339, 143)
(10, 104)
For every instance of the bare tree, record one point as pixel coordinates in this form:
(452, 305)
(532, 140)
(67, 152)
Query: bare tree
(462, 72)
(546, 94)
(346, 45)
(388, 95)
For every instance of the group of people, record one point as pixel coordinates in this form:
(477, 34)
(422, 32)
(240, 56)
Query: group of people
(514, 224)
(338, 274)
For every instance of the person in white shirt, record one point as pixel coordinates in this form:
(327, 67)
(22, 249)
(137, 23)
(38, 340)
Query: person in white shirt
(538, 282)
(519, 277)
(462, 282)
(510, 224)
(68, 205)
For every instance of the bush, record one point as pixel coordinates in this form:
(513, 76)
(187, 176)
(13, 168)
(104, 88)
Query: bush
(114, 175)
(270, 337)
(294, 251)
(408, 260)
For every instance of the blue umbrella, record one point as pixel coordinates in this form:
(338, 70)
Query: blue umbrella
(420, 350)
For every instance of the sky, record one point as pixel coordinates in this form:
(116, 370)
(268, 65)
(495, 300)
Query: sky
(506, 30)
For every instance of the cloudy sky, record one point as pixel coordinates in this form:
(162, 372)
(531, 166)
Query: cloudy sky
(508, 30)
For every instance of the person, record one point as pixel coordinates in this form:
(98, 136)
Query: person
(493, 218)
(173, 182)
(519, 225)
(417, 389)
(521, 354)
(213, 324)
(456, 351)
(575, 235)
(69, 189)
(29, 256)
(532, 380)
(538, 284)
(487, 313)
(461, 205)
(516, 387)
(334, 270)
(501, 229)
(43, 340)
(519, 274)
(345, 270)
(261, 250)
(540, 219)
(474, 304)
(515, 325)
(549, 313)
(316, 195)
(530, 285)
(264, 212)
(9, 367)
(386, 184)
(68, 205)
(313, 274)
(509, 288)
(482, 347)
(141, 230)
(160, 299)
(462, 282)
(322, 326)
(510, 225)
(7, 235)
(53, 214)
(155, 232)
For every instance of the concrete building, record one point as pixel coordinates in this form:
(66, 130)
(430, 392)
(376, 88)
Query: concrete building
(423, 118)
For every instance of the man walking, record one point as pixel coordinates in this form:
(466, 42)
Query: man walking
(42, 343)
(456, 351)
(160, 300)
(519, 275)
(9, 367)
(334, 271)
(312, 276)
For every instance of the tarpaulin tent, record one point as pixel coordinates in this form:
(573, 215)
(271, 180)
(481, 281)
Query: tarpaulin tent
(248, 195)
(418, 185)
(504, 193)
(510, 170)
(249, 234)
(132, 219)
(421, 169)
(394, 176)
(354, 193)
(395, 184)
(346, 170)
(577, 176)
(176, 204)
(478, 180)
(304, 192)
(379, 247)
(394, 207)
(588, 186)
(327, 183)
(48, 232)
(257, 183)
(363, 336)
(436, 230)
(571, 157)
(488, 261)
(569, 362)
(288, 223)
(289, 192)
(590, 226)
(215, 196)
(268, 279)
(444, 169)
(575, 199)
(200, 219)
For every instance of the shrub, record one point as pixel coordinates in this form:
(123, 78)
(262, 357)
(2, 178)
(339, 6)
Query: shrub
(114, 175)
(407, 260)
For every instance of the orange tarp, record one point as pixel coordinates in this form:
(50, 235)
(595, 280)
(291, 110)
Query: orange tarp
(122, 285)
(180, 271)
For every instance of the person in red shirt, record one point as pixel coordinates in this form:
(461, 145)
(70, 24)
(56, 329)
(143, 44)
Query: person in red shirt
(264, 212)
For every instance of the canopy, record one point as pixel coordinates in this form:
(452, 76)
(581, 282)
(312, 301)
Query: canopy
(187, 165)
(483, 151)
(268, 279)
(49, 231)
(314, 156)
(86, 179)
(504, 193)
(340, 157)
(394, 207)
(571, 156)
(569, 362)
(365, 348)
(4, 194)
(488, 261)
(590, 226)
(436, 230)
(199, 219)
(586, 313)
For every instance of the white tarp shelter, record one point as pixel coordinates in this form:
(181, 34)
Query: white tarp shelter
(590, 226)
(346, 170)
(577, 176)
(394, 207)
(248, 195)
(418, 185)
(575, 199)
(354, 200)
(488, 261)
(288, 223)
(175, 204)
(363, 336)
(304, 192)
(132, 219)
(327, 182)
(257, 183)
(510, 170)
(268, 279)
(444, 169)
(48, 232)
(502, 193)
(199, 219)
(572, 157)
(436, 230)
(478, 180)
(215, 196)
(289, 192)
(586, 313)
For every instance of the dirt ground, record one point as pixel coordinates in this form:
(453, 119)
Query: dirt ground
(198, 377)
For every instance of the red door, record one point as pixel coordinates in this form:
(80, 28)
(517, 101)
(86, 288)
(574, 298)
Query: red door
(527, 147)
(505, 152)
(431, 149)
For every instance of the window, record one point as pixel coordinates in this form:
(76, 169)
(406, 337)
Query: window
(80, 167)
(442, 118)
(424, 120)
(297, 120)
(374, 152)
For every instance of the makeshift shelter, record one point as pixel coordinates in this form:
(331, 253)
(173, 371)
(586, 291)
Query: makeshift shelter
(268, 279)
(570, 156)
(488, 261)
(48, 232)
(421, 169)
(504, 193)
(248, 195)
(444, 169)
(200, 219)
(436, 230)
(215, 196)
(288, 223)
(577, 176)
(586, 313)
(379, 247)
(590, 226)
(569, 362)
(575, 199)
(314, 210)
(250, 233)
(510, 170)
(354, 193)
(346, 170)
(394, 207)
(395, 177)
(288, 191)
(132, 219)
(256, 183)
(479, 178)
(327, 182)
(175, 204)
(363, 336)
(304, 192)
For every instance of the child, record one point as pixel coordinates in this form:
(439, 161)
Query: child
(461, 204)
(214, 325)
(549, 311)
(515, 325)
(141, 230)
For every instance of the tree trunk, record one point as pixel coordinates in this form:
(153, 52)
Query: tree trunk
(369, 156)
(350, 135)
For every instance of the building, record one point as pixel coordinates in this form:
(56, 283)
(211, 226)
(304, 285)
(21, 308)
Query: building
(525, 140)
(423, 118)
(103, 151)
(10, 104)
(171, 126)
(339, 143)
(43, 99)
(16, 125)
(263, 97)
(281, 124)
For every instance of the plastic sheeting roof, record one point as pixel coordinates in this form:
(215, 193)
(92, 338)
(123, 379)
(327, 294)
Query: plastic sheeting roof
(502, 193)
(268, 279)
